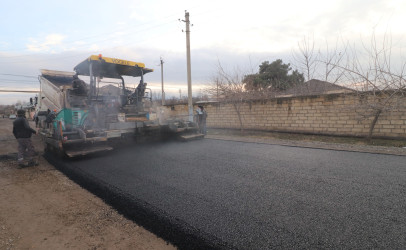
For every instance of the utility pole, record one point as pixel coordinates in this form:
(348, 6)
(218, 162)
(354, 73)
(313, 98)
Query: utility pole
(162, 82)
(189, 74)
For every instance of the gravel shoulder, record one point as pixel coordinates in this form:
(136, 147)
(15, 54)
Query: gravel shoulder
(40, 208)
(264, 138)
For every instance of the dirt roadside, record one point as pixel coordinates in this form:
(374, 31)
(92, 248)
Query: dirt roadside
(379, 146)
(40, 208)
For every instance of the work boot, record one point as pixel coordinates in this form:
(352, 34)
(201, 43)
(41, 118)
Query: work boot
(32, 163)
(22, 165)
(20, 162)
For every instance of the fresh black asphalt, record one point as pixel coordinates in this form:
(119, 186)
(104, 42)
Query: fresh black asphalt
(224, 194)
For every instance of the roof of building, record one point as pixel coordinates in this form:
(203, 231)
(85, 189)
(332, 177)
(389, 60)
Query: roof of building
(314, 87)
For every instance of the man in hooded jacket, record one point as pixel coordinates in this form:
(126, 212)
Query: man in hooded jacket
(22, 132)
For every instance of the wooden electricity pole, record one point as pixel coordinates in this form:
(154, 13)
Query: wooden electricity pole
(189, 72)
(162, 81)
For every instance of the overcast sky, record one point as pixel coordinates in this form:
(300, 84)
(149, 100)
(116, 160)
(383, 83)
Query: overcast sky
(58, 35)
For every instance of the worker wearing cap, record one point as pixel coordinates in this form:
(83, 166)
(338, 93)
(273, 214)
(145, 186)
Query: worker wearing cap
(22, 132)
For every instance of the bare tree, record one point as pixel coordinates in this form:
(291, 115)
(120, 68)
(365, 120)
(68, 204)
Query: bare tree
(229, 88)
(156, 96)
(306, 58)
(320, 63)
(377, 78)
(329, 59)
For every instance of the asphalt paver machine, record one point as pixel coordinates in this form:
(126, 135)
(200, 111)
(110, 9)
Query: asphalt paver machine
(79, 118)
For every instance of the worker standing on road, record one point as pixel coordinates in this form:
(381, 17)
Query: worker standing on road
(201, 118)
(50, 118)
(22, 132)
(36, 119)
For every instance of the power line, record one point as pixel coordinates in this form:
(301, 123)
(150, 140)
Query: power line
(81, 54)
(15, 80)
(21, 84)
(19, 91)
(19, 75)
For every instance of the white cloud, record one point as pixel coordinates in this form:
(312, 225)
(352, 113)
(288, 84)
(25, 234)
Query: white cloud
(51, 43)
(94, 47)
(79, 43)
(136, 15)
(54, 39)
(4, 44)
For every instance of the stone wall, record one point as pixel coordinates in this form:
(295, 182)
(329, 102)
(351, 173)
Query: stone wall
(326, 114)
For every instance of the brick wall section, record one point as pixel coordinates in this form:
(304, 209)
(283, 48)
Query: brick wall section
(326, 114)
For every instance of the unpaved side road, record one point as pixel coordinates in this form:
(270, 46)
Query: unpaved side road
(40, 208)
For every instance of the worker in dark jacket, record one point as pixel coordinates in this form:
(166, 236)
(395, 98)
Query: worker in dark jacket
(79, 86)
(201, 119)
(22, 132)
(50, 117)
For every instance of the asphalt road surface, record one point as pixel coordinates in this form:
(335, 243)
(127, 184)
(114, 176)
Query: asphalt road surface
(224, 194)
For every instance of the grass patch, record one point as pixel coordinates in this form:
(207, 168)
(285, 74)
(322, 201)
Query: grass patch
(303, 137)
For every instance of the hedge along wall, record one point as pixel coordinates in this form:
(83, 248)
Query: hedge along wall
(324, 114)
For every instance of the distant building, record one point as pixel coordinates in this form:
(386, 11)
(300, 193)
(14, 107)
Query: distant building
(314, 87)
